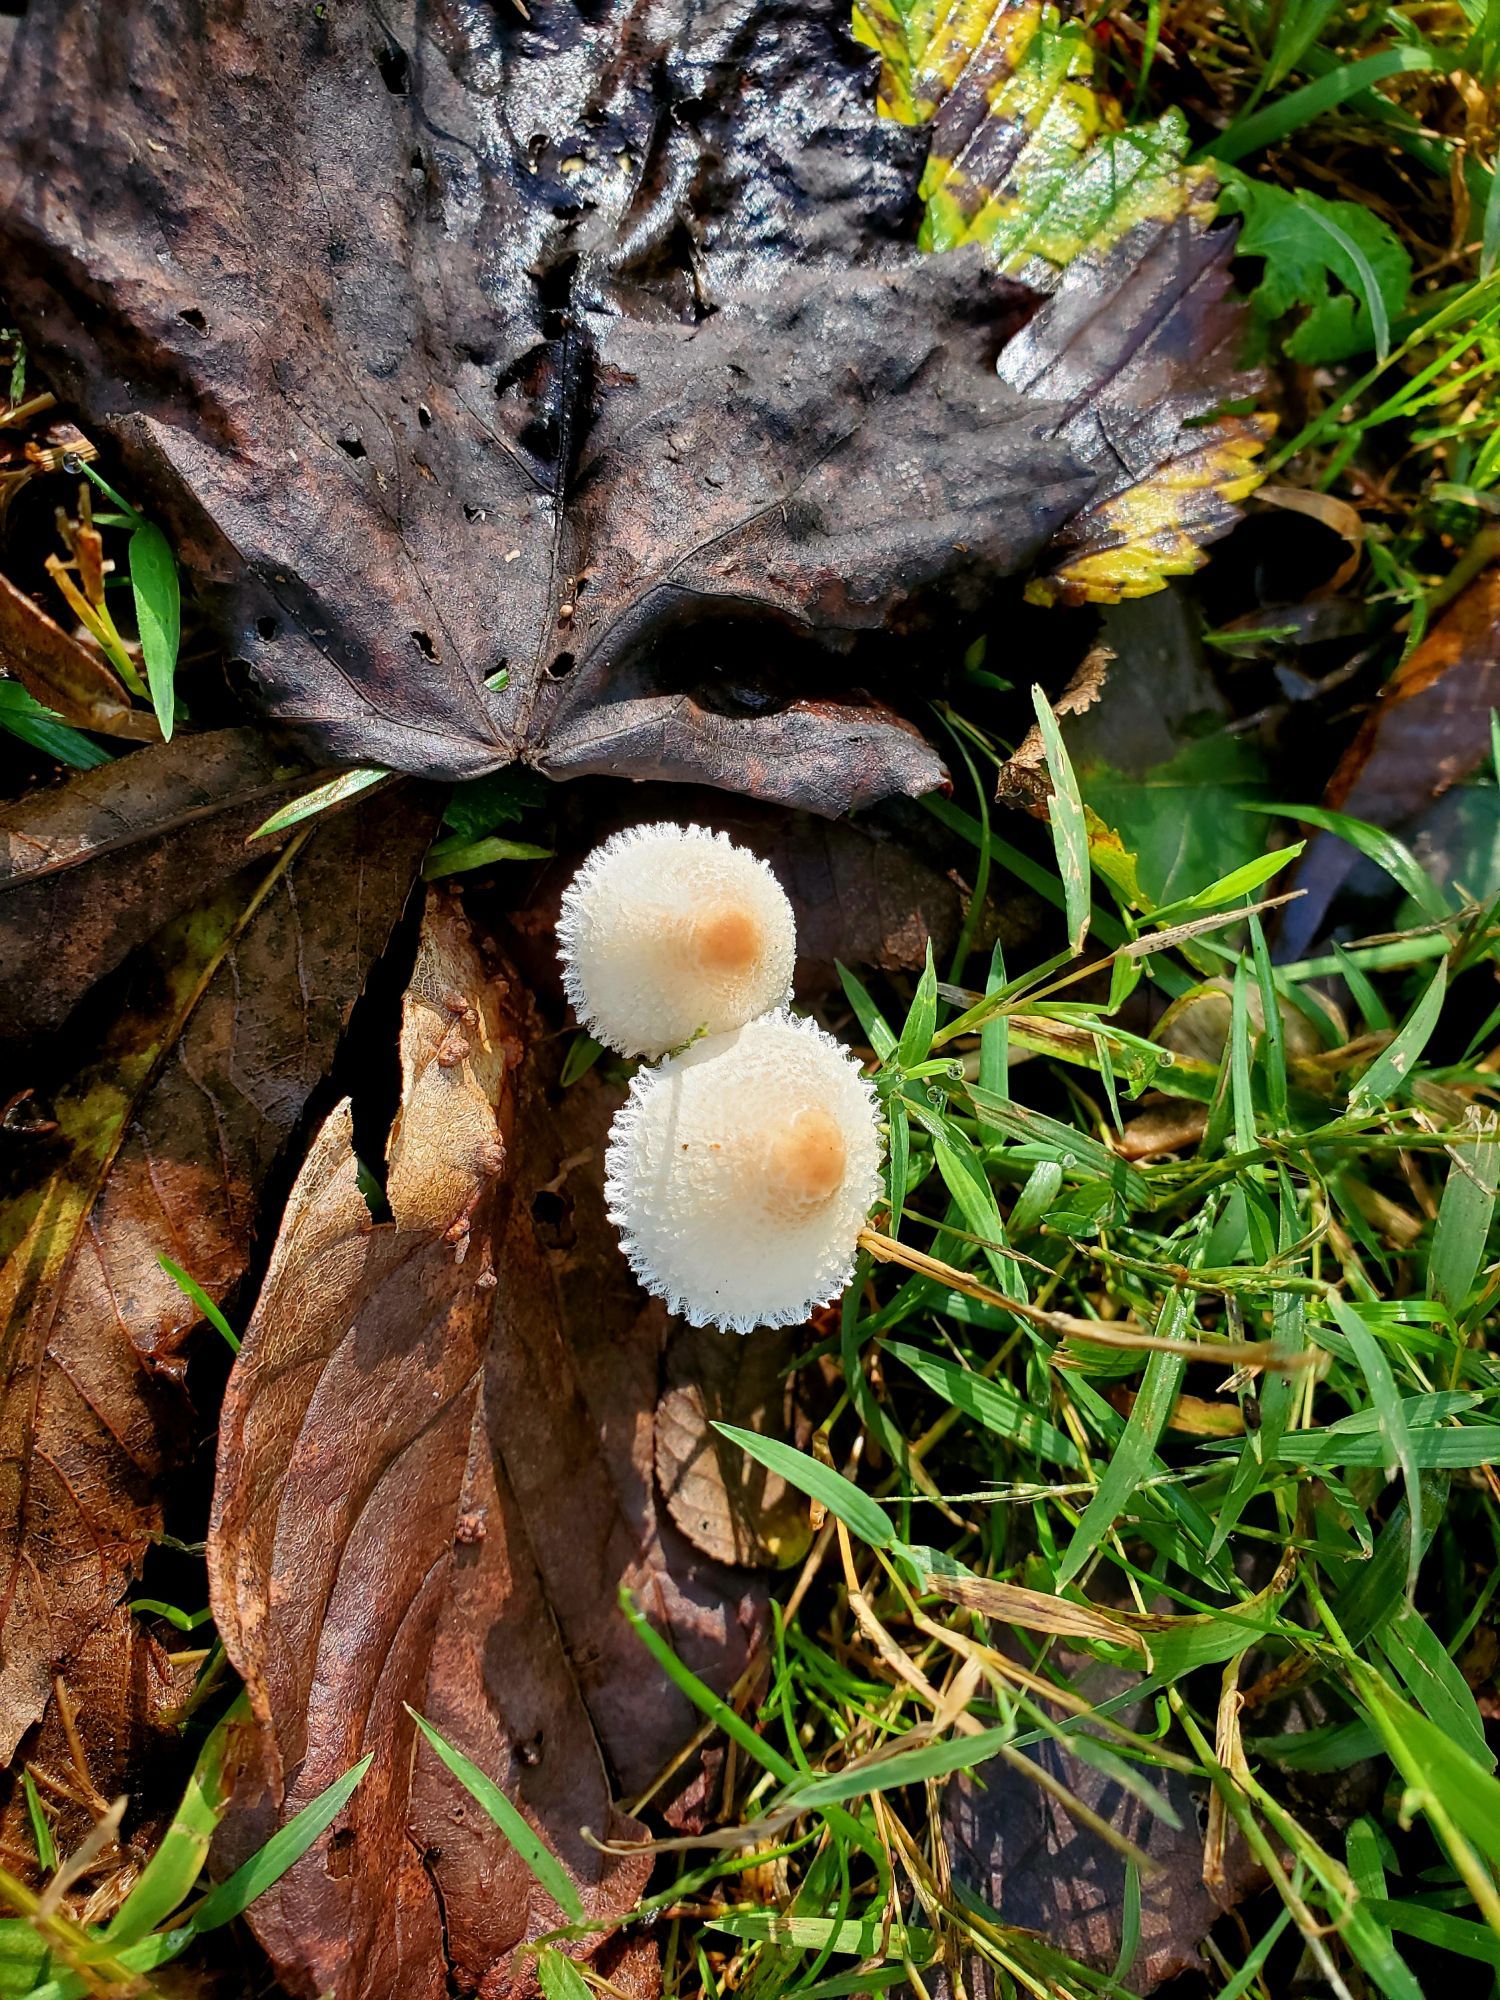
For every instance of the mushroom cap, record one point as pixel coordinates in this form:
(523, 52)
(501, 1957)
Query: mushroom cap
(667, 930)
(740, 1172)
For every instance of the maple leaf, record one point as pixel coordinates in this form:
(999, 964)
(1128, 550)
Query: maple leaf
(590, 355)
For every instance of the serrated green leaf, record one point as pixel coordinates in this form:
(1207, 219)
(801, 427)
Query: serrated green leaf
(1305, 241)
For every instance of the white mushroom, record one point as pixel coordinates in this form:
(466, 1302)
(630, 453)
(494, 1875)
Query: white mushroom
(669, 930)
(740, 1173)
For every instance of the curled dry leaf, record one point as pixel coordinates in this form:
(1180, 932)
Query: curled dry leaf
(434, 1475)
(594, 347)
(94, 868)
(724, 1502)
(1429, 728)
(62, 673)
(164, 1140)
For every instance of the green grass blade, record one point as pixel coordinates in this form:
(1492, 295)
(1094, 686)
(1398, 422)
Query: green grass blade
(906, 1767)
(44, 729)
(1134, 1454)
(1314, 100)
(41, 1831)
(860, 1514)
(996, 1405)
(234, 1895)
(348, 785)
(192, 1290)
(1070, 834)
(1376, 845)
(703, 1698)
(460, 857)
(169, 1876)
(1391, 1417)
(921, 1021)
(1464, 1216)
(1388, 1075)
(518, 1830)
(158, 613)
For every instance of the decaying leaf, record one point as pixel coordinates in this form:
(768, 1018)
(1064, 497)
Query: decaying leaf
(164, 1138)
(478, 1351)
(1031, 162)
(591, 347)
(119, 1695)
(1429, 728)
(723, 1501)
(94, 868)
(1019, 1848)
(72, 679)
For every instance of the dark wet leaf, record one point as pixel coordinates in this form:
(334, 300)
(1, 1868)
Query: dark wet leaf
(1429, 729)
(121, 1693)
(1017, 1846)
(591, 347)
(435, 1473)
(165, 1134)
(94, 868)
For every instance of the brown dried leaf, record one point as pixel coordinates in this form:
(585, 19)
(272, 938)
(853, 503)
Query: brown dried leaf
(727, 1505)
(1023, 778)
(164, 1141)
(433, 1479)
(1429, 728)
(95, 867)
(64, 674)
(120, 1690)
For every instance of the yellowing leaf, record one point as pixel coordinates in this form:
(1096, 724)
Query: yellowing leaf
(1029, 160)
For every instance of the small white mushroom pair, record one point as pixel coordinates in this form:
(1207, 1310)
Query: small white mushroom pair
(741, 1169)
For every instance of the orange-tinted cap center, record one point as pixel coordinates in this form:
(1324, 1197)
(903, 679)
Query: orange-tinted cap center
(807, 1158)
(726, 937)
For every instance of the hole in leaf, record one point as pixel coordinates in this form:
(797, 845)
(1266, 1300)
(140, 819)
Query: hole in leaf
(425, 646)
(395, 69)
(553, 1215)
(353, 447)
(562, 666)
(267, 627)
(194, 317)
(424, 416)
